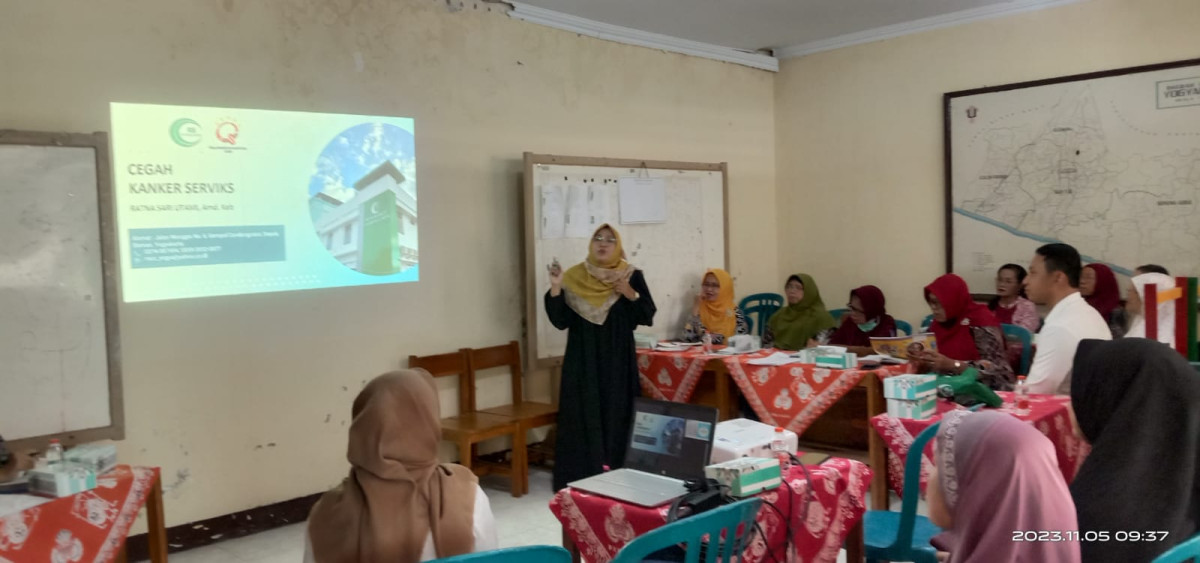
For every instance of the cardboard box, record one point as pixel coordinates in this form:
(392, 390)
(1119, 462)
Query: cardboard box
(746, 476)
(742, 437)
(100, 458)
(919, 409)
(837, 361)
(61, 479)
(910, 387)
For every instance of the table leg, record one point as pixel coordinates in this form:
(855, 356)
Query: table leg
(876, 448)
(569, 545)
(725, 399)
(157, 528)
(855, 553)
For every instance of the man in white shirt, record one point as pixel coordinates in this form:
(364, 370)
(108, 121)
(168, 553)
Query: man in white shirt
(1053, 281)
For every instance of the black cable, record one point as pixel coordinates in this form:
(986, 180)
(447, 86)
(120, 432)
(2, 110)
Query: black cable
(787, 529)
(811, 493)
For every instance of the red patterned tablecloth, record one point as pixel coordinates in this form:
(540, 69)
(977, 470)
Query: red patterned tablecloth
(1048, 413)
(792, 396)
(89, 526)
(601, 526)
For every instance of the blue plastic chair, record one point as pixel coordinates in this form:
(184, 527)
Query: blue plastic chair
(902, 327)
(904, 535)
(760, 306)
(720, 525)
(837, 314)
(1186, 551)
(1022, 334)
(526, 554)
(926, 322)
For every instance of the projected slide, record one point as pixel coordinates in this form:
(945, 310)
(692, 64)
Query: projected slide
(217, 201)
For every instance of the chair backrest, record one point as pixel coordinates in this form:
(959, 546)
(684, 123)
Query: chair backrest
(837, 314)
(912, 486)
(721, 525)
(902, 327)
(452, 363)
(758, 309)
(926, 322)
(526, 554)
(1022, 335)
(1186, 551)
(499, 356)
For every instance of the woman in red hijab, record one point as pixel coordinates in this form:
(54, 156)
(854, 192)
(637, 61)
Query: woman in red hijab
(1098, 286)
(867, 317)
(967, 333)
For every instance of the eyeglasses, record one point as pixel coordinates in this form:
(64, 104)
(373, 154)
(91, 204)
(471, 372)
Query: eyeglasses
(609, 240)
(711, 285)
(853, 309)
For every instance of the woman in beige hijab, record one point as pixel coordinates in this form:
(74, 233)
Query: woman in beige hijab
(399, 505)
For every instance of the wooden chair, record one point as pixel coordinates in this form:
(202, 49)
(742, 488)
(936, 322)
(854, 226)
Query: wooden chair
(528, 414)
(470, 426)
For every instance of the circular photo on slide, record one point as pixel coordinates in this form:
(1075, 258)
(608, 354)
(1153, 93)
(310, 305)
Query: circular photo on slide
(363, 199)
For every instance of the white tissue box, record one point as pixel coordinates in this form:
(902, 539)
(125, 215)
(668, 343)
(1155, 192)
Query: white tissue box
(61, 479)
(919, 409)
(100, 458)
(747, 475)
(910, 387)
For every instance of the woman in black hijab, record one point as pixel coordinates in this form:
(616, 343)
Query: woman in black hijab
(1138, 403)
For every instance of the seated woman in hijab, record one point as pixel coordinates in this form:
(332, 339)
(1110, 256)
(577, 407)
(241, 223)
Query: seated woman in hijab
(1098, 286)
(398, 503)
(714, 312)
(1135, 306)
(995, 475)
(967, 334)
(867, 317)
(1137, 402)
(803, 322)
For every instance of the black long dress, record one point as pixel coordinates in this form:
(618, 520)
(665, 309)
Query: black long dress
(599, 383)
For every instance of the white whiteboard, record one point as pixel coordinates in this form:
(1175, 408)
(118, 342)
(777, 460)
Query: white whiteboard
(54, 350)
(672, 255)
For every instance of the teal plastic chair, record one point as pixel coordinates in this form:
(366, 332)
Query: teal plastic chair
(527, 554)
(721, 525)
(904, 535)
(837, 314)
(1186, 551)
(902, 327)
(926, 322)
(1022, 334)
(760, 306)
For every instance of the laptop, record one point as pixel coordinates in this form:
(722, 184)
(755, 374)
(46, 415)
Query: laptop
(669, 443)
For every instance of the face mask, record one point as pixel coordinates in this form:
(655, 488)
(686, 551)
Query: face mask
(869, 325)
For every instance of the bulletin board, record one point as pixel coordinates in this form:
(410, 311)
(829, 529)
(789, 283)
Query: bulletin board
(672, 219)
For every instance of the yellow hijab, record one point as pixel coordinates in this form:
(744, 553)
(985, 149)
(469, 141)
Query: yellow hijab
(589, 284)
(720, 315)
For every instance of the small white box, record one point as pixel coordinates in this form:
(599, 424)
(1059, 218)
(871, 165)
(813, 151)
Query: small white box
(61, 479)
(746, 476)
(742, 437)
(920, 409)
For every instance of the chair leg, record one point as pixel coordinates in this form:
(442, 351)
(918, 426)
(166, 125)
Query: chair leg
(464, 453)
(520, 464)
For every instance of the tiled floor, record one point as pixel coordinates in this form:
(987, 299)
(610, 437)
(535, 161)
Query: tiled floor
(520, 521)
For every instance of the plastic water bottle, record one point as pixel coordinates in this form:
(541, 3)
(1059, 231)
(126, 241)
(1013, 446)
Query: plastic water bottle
(707, 341)
(54, 454)
(779, 448)
(1021, 396)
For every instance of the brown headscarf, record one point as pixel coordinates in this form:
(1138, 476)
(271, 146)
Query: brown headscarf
(397, 492)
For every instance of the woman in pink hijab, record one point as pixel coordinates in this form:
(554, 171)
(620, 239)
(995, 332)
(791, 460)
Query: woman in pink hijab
(996, 476)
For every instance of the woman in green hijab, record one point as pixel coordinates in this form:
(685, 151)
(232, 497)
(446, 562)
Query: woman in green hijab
(804, 322)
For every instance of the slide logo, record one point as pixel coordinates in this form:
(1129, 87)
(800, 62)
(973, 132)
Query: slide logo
(185, 132)
(227, 132)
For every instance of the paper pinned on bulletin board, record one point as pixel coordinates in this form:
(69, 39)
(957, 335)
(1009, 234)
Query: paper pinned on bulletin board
(578, 224)
(554, 212)
(643, 200)
(600, 207)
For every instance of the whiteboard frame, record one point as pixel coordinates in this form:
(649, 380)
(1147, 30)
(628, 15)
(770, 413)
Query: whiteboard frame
(97, 141)
(532, 269)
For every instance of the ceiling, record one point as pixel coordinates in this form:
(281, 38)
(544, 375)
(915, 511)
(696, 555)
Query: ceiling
(774, 24)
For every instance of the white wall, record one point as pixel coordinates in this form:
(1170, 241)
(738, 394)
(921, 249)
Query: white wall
(217, 386)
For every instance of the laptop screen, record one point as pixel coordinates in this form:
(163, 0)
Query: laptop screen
(672, 439)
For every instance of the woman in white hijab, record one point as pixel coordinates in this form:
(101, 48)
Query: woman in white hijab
(1135, 304)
